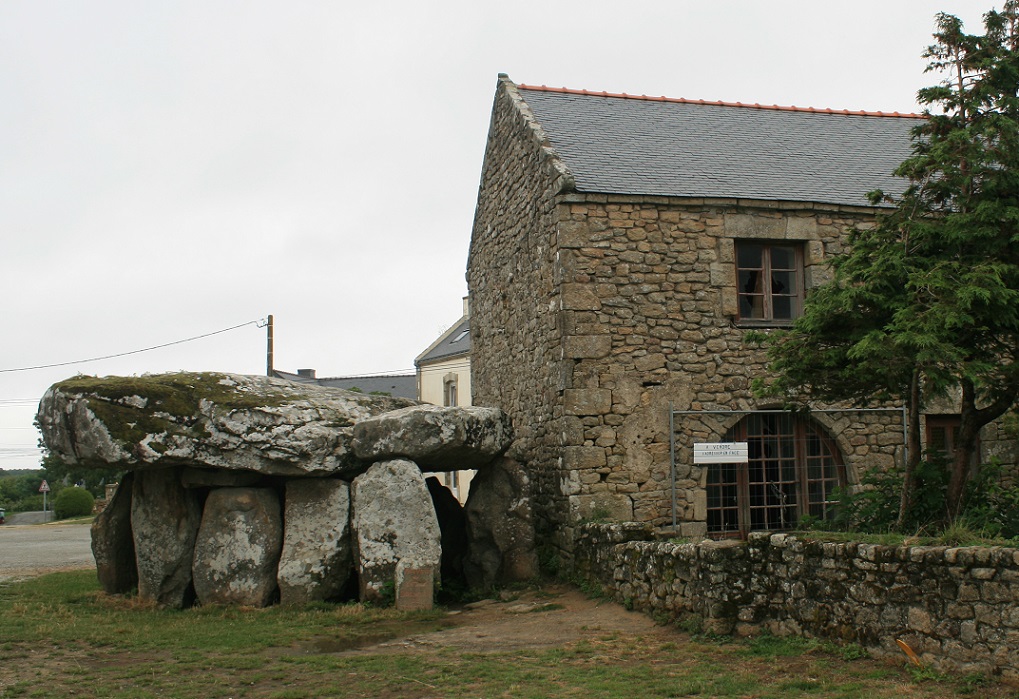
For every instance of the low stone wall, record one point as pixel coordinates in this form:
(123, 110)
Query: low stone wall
(956, 607)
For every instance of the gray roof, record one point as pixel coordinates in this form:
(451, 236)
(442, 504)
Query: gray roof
(626, 145)
(457, 341)
(398, 385)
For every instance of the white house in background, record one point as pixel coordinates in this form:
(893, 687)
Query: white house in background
(444, 378)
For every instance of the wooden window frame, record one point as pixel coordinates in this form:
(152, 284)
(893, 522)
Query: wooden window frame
(774, 490)
(951, 424)
(767, 293)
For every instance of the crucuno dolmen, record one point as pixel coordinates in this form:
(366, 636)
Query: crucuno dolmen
(247, 490)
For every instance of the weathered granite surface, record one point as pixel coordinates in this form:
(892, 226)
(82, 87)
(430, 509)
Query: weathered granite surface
(395, 527)
(164, 523)
(220, 421)
(237, 548)
(242, 488)
(317, 561)
(500, 527)
(435, 437)
(112, 543)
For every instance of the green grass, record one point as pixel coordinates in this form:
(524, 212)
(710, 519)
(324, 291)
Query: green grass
(952, 536)
(61, 637)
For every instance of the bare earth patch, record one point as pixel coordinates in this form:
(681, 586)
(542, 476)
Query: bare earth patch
(552, 617)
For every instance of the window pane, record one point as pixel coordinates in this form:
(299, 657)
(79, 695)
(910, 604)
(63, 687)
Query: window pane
(749, 255)
(783, 257)
(783, 282)
(751, 282)
(782, 308)
(789, 470)
(780, 481)
(751, 306)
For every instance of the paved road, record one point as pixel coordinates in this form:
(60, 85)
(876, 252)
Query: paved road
(34, 549)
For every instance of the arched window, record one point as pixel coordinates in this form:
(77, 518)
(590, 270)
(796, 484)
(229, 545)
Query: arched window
(793, 470)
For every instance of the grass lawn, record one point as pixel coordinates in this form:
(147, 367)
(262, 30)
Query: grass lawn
(61, 637)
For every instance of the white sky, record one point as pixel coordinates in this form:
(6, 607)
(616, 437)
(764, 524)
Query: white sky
(172, 169)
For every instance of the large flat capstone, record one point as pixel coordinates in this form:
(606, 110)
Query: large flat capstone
(207, 420)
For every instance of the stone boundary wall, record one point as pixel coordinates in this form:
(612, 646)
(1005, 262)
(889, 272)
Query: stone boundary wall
(956, 607)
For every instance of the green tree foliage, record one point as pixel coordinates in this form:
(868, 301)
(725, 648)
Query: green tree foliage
(92, 479)
(20, 493)
(927, 301)
(73, 502)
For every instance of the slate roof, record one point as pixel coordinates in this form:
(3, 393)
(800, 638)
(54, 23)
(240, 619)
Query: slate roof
(457, 341)
(396, 385)
(620, 144)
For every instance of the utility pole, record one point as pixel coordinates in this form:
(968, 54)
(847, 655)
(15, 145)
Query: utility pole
(268, 347)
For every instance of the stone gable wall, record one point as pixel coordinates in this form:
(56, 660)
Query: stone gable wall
(955, 607)
(515, 335)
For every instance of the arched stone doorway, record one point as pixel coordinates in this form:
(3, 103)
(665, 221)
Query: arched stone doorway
(793, 470)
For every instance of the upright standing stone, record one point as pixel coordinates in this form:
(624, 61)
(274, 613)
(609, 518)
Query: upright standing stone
(317, 562)
(396, 534)
(164, 523)
(500, 526)
(238, 547)
(112, 544)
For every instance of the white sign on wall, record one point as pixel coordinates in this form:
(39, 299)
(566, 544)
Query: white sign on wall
(721, 453)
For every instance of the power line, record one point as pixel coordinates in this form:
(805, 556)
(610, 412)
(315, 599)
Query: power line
(258, 323)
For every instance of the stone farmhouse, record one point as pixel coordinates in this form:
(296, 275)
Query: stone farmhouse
(622, 248)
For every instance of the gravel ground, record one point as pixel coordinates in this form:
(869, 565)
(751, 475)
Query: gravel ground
(36, 549)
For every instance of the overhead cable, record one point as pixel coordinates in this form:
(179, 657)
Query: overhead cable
(257, 323)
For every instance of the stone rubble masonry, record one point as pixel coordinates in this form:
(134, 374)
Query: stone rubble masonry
(956, 607)
(591, 314)
(517, 348)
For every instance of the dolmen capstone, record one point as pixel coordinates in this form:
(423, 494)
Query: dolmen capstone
(248, 490)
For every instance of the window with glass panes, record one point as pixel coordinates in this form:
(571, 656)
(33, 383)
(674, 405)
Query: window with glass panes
(792, 471)
(769, 277)
(943, 435)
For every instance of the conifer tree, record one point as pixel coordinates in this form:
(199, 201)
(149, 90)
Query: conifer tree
(927, 301)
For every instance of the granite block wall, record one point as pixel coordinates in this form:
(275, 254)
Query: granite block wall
(956, 607)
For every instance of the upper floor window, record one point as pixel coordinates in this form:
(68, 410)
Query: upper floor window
(769, 277)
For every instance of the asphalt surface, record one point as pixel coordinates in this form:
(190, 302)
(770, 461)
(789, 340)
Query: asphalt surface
(41, 548)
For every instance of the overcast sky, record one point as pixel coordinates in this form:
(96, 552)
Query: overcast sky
(173, 169)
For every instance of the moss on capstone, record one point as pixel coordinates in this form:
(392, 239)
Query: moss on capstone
(172, 402)
(166, 419)
(176, 394)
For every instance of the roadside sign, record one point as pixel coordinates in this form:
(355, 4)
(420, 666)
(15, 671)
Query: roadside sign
(44, 488)
(721, 452)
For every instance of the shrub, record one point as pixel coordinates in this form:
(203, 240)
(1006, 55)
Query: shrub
(73, 502)
(874, 508)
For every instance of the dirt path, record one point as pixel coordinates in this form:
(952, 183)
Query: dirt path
(549, 617)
